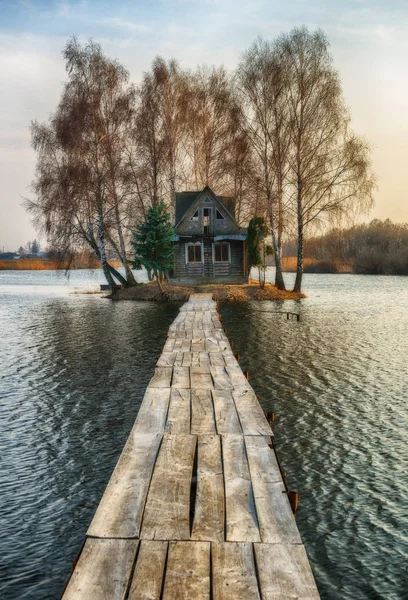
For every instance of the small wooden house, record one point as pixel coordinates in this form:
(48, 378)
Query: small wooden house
(211, 245)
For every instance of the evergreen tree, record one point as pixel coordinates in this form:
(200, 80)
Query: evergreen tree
(152, 243)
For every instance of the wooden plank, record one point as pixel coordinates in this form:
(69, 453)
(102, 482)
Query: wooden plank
(200, 379)
(217, 359)
(178, 418)
(222, 380)
(161, 377)
(275, 517)
(198, 344)
(152, 414)
(167, 359)
(187, 359)
(233, 571)
(226, 417)
(211, 344)
(181, 377)
(202, 412)
(284, 572)
(182, 345)
(120, 510)
(167, 511)
(230, 359)
(238, 377)
(103, 570)
(204, 359)
(209, 511)
(251, 415)
(148, 577)
(241, 522)
(188, 571)
(169, 345)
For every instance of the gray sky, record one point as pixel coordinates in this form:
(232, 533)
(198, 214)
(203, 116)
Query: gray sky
(369, 42)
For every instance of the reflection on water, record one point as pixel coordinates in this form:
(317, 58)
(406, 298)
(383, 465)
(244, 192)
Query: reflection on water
(337, 382)
(73, 369)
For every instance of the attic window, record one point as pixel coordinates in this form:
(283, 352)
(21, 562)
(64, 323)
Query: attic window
(195, 216)
(219, 216)
(207, 200)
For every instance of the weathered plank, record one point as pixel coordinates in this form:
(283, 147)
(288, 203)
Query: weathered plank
(167, 511)
(217, 359)
(178, 418)
(167, 359)
(209, 510)
(181, 378)
(169, 345)
(147, 582)
(152, 414)
(233, 571)
(188, 571)
(198, 344)
(251, 415)
(226, 418)
(238, 377)
(284, 572)
(103, 570)
(275, 517)
(200, 379)
(202, 412)
(161, 377)
(222, 380)
(241, 521)
(120, 511)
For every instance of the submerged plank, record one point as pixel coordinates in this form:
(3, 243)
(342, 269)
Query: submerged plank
(233, 570)
(284, 572)
(241, 518)
(120, 511)
(148, 577)
(167, 511)
(103, 570)
(209, 511)
(188, 571)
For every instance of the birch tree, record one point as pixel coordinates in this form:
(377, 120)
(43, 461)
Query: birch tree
(262, 88)
(329, 165)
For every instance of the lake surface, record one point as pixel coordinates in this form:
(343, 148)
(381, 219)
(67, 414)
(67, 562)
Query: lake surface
(73, 369)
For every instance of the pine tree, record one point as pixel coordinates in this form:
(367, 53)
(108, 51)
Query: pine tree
(152, 243)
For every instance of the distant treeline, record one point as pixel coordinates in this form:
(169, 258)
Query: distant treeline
(54, 261)
(377, 248)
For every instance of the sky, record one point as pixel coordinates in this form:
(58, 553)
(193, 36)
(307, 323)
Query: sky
(369, 44)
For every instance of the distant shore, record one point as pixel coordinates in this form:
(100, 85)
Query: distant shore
(38, 264)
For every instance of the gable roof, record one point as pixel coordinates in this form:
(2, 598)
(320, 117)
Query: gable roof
(185, 200)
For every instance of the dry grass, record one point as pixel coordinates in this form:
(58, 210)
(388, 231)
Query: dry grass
(221, 293)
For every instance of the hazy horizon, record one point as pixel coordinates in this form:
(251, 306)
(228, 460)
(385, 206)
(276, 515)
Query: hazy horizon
(369, 44)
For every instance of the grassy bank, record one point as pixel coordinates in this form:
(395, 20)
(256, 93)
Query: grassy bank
(221, 293)
(312, 265)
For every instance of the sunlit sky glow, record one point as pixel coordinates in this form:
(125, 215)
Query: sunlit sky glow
(369, 43)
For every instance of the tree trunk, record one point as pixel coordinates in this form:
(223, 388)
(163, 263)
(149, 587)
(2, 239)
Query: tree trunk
(102, 253)
(159, 282)
(299, 267)
(279, 281)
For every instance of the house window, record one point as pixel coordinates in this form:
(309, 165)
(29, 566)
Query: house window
(221, 252)
(207, 220)
(207, 200)
(195, 216)
(219, 216)
(194, 253)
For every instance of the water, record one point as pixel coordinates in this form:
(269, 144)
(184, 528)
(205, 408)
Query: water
(73, 368)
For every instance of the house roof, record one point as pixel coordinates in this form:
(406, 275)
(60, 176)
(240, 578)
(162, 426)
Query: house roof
(184, 201)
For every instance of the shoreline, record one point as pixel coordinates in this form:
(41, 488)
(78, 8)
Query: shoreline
(220, 293)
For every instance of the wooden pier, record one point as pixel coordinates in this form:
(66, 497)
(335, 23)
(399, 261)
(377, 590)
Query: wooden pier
(196, 507)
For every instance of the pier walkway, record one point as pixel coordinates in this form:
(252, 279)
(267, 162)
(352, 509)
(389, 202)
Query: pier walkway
(196, 507)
